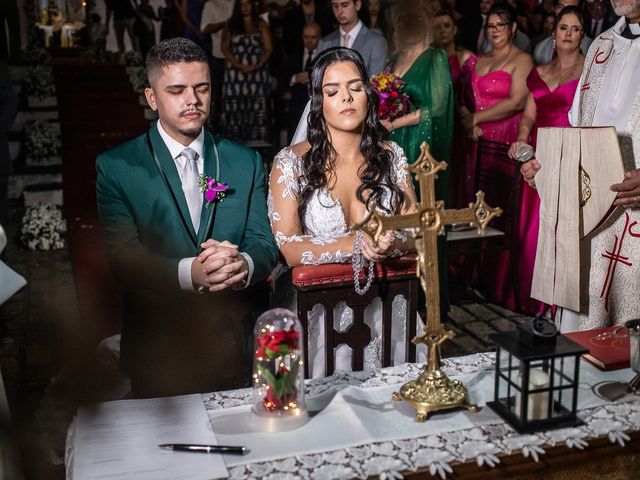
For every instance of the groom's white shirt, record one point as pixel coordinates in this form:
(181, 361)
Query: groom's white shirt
(175, 149)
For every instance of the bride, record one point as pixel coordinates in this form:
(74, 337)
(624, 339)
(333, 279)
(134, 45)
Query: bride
(319, 187)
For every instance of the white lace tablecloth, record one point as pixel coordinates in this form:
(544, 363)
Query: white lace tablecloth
(483, 443)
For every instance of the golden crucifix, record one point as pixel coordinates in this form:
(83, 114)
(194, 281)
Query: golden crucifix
(432, 390)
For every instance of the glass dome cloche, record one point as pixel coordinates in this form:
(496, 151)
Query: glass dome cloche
(278, 372)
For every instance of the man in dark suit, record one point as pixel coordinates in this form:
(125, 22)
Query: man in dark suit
(353, 33)
(474, 14)
(184, 261)
(8, 111)
(309, 11)
(297, 75)
(598, 18)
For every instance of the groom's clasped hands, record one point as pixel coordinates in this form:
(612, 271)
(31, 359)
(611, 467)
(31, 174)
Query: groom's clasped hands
(219, 266)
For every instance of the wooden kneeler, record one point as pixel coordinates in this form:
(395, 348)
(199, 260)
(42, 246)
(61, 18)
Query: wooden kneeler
(330, 284)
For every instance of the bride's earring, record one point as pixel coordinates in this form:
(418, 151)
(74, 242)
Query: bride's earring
(554, 43)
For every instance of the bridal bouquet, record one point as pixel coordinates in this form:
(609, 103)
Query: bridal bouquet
(42, 227)
(394, 102)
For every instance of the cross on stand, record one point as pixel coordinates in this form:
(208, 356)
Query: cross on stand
(432, 390)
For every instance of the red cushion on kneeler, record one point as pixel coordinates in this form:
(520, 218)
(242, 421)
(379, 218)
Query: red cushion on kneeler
(335, 274)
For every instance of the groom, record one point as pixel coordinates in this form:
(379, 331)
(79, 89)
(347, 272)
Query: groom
(184, 263)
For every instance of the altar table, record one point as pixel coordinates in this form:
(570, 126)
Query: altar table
(485, 448)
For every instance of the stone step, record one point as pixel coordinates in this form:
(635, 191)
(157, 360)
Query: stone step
(31, 116)
(18, 182)
(14, 150)
(43, 162)
(47, 102)
(43, 193)
(17, 73)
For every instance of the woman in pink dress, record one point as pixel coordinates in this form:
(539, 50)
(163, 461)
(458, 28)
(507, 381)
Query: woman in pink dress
(444, 36)
(495, 94)
(552, 87)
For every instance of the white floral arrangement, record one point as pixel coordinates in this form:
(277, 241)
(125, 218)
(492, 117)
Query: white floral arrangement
(41, 141)
(139, 80)
(42, 227)
(133, 59)
(35, 56)
(39, 81)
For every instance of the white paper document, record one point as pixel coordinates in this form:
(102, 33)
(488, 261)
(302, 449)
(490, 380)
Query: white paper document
(119, 440)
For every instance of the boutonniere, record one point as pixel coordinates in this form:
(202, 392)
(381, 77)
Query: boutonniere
(213, 190)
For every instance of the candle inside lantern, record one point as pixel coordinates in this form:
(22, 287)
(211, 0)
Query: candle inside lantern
(538, 403)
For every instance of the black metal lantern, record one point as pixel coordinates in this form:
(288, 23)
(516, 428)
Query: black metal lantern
(537, 374)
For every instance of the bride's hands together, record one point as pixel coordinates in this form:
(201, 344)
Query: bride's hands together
(378, 252)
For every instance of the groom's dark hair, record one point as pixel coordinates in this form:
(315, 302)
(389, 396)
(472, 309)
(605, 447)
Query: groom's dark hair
(168, 52)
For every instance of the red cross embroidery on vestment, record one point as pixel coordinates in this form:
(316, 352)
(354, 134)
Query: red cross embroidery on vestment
(615, 257)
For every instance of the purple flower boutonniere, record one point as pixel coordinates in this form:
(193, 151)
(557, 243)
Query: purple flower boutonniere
(213, 190)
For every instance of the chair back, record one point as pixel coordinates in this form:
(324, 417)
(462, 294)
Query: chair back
(498, 176)
(330, 284)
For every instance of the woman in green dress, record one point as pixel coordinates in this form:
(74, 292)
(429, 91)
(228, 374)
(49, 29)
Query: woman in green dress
(425, 71)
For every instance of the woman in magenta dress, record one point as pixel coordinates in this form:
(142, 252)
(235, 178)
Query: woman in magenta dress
(552, 87)
(444, 36)
(495, 93)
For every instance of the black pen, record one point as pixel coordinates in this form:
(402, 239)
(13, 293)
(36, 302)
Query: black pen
(186, 447)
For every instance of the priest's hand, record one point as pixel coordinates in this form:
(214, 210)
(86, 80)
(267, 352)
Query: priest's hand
(629, 190)
(529, 170)
(219, 266)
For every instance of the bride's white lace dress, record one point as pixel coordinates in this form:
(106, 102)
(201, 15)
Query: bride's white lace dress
(318, 241)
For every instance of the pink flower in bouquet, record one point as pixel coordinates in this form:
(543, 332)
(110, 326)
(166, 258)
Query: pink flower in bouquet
(394, 102)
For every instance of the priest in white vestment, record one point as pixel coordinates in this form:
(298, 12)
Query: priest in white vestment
(609, 95)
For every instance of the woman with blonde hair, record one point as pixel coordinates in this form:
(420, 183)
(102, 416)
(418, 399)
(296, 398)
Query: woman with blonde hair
(425, 71)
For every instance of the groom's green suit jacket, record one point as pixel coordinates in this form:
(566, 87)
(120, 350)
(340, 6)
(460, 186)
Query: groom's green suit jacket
(175, 341)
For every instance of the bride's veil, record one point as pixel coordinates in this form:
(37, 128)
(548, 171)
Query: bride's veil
(301, 130)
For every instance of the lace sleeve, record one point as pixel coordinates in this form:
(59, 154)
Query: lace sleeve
(296, 247)
(402, 177)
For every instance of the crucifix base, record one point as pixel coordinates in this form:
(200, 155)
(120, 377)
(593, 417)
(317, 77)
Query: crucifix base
(433, 391)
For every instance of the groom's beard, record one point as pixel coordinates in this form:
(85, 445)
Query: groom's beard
(193, 132)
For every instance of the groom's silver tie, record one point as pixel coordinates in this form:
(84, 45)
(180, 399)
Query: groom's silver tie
(190, 186)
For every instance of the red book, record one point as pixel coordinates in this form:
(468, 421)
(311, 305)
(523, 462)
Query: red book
(610, 353)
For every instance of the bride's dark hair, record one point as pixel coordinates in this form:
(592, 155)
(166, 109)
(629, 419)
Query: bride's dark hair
(321, 157)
